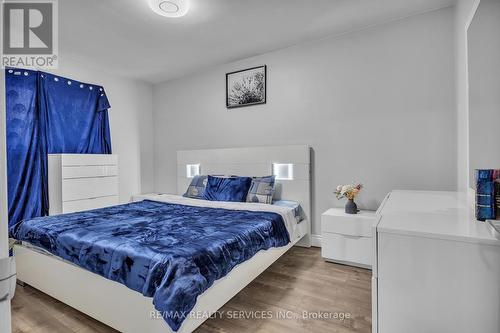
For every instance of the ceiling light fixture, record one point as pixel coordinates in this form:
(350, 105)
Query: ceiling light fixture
(170, 8)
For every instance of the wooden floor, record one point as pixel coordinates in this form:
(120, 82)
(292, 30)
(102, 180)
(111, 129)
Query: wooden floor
(299, 281)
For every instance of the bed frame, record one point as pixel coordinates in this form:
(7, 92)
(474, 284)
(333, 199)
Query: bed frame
(128, 311)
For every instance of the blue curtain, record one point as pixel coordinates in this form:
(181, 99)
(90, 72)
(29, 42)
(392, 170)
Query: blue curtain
(48, 114)
(24, 163)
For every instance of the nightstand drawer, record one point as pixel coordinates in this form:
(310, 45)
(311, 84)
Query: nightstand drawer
(335, 221)
(355, 250)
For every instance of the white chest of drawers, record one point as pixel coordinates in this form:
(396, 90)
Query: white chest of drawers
(79, 182)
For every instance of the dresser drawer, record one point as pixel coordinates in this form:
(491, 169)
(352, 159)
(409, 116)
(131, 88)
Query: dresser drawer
(88, 159)
(89, 171)
(338, 222)
(88, 204)
(87, 188)
(356, 250)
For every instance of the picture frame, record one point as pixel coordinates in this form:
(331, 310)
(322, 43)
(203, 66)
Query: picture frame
(246, 87)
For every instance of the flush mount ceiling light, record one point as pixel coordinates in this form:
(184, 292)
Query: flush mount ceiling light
(170, 8)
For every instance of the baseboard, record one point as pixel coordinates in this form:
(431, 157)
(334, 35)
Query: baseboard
(316, 240)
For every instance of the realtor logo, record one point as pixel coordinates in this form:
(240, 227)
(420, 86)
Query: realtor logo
(29, 36)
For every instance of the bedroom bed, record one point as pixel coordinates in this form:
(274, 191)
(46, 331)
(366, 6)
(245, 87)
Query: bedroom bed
(245, 237)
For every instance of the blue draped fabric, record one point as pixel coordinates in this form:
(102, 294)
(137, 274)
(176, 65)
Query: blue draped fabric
(71, 121)
(48, 114)
(170, 252)
(24, 162)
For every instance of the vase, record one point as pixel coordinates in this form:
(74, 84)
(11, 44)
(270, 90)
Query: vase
(351, 207)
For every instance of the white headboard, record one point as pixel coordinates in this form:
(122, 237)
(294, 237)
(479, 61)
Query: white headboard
(255, 161)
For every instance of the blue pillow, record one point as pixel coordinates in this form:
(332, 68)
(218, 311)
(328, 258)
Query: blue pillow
(227, 189)
(196, 189)
(261, 190)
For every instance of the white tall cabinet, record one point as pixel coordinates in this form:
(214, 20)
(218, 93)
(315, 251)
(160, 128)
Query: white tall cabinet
(79, 182)
(436, 269)
(4, 240)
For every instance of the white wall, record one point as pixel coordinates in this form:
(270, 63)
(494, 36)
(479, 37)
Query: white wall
(377, 106)
(131, 124)
(464, 12)
(484, 87)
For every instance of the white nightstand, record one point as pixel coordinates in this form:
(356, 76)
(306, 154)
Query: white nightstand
(347, 238)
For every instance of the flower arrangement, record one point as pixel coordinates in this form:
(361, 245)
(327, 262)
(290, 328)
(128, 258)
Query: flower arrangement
(349, 191)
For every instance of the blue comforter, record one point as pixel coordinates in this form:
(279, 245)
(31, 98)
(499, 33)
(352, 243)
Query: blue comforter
(170, 252)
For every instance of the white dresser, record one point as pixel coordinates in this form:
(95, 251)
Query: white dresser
(79, 182)
(437, 268)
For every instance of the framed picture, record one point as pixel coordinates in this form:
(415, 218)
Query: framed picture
(246, 87)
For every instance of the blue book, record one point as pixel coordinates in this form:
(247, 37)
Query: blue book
(485, 200)
(496, 182)
(484, 213)
(486, 188)
(485, 194)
